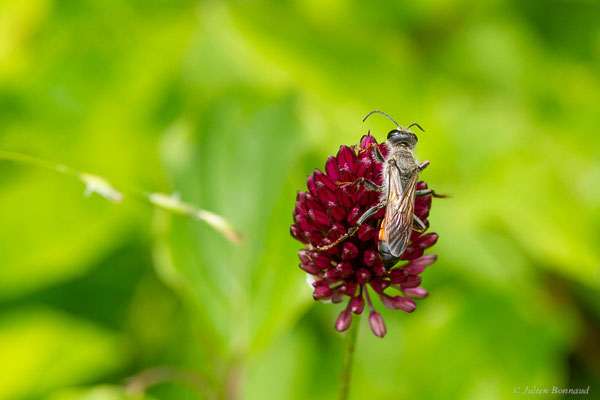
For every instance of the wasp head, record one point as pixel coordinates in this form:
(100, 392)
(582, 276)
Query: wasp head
(402, 137)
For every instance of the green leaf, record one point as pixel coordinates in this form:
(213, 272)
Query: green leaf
(104, 392)
(43, 349)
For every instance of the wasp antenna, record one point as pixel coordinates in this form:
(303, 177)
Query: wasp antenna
(417, 125)
(382, 113)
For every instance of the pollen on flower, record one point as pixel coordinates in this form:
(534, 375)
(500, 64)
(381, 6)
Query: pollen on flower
(328, 210)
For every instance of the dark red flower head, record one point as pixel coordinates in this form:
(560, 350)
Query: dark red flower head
(327, 211)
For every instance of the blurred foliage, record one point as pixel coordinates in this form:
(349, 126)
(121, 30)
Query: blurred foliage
(231, 105)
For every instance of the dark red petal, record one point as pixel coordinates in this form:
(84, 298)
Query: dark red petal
(300, 196)
(415, 293)
(345, 269)
(369, 199)
(300, 216)
(346, 157)
(300, 203)
(322, 292)
(331, 275)
(377, 324)
(422, 213)
(346, 175)
(311, 184)
(298, 234)
(344, 320)
(417, 248)
(353, 216)
(322, 261)
(305, 224)
(310, 268)
(428, 240)
(336, 232)
(366, 232)
(336, 211)
(378, 269)
(324, 179)
(361, 168)
(398, 275)
(417, 265)
(376, 169)
(319, 219)
(370, 257)
(324, 193)
(384, 149)
(363, 275)
(300, 210)
(305, 255)
(412, 281)
(368, 169)
(373, 260)
(331, 168)
(357, 304)
(337, 297)
(349, 251)
(412, 252)
(345, 196)
(423, 202)
(366, 141)
(360, 193)
(379, 214)
(349, 288)
(421, 208)
(313, 204)
(378, 284)
(414, 236)
(316, 238)
(398, 303)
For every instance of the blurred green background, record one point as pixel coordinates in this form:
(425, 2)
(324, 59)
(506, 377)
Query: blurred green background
(232, 105)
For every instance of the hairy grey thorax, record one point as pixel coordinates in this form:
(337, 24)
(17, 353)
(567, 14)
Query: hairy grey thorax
(402, 158)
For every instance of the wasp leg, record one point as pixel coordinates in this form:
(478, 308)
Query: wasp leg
(370, 185)
(418, 225)
(377, 154)
(427, 192)
(368, 214)
(423, 165)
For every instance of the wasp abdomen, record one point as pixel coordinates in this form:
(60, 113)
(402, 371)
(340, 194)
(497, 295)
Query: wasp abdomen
(388, 259)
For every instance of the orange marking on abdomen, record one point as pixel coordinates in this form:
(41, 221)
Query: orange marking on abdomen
(382, 232)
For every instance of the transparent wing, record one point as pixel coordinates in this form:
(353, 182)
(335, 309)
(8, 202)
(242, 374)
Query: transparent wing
(398, 221)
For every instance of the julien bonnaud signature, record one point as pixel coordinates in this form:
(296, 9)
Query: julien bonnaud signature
(552, 390)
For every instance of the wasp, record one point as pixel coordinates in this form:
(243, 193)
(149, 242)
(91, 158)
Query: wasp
(400, 174)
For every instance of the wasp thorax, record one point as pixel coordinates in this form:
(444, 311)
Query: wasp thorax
(403, 138)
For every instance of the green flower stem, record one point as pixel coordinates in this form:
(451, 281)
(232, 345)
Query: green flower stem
(349, 346)
(36, 162)
(101, 186)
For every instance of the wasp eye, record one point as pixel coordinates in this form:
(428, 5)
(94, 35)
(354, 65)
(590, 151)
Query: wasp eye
(393, 133)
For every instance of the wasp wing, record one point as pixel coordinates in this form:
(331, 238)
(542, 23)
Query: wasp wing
(398, 221)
